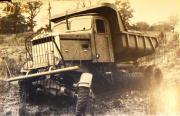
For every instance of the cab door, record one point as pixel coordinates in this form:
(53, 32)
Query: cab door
(103, 43)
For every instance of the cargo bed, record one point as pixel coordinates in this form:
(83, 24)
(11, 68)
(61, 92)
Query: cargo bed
(131, 46)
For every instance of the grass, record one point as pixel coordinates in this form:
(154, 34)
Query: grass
(12, 52)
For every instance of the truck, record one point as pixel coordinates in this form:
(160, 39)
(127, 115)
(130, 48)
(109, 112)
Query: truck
(88, 51)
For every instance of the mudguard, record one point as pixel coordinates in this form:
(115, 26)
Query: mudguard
(85, 80)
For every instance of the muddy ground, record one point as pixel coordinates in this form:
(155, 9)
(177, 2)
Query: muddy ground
(114, 102)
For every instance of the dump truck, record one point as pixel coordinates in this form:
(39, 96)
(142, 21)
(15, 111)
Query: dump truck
(88, 50)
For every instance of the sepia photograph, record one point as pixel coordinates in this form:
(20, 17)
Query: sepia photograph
(89, 57)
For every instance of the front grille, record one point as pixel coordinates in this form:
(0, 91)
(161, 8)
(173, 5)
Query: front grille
(43, 52)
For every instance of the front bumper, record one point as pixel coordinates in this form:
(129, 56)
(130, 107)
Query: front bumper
(36, 75)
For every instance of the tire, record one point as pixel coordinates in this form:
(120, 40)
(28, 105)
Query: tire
(128, 80)
(26, 91)
(154, 76)
(82, 100)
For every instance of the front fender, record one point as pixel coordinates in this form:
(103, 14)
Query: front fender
(85, 80)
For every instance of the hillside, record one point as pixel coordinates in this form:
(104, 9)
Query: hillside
(12, 53)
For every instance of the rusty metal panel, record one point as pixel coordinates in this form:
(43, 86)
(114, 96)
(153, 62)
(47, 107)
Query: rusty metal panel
(43, 55)
(76, 49)
(148, 43)
(130, 46)
(102, 48)
(140, 43)
(132, 41)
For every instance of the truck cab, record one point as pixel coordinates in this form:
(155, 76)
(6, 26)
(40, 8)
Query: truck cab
(87, 37)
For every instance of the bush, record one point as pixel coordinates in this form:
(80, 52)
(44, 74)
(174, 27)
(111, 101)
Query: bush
(1, 39)
(13, 66)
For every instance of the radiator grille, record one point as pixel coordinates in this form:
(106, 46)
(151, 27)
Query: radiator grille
(43, 52)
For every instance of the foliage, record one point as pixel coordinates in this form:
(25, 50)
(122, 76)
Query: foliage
(142, 26)
(125, 11)
(168, 25)
(124, 8)
(83, 3)
(1, 39)
(43, 29)
(13, 23)
(33, 10)
(163, 26)
(12, 64)
(173, 21)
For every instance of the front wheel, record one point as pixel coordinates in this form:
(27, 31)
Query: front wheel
(26, 91)
(82, 100)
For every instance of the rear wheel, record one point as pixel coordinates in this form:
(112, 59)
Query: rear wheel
(154, 76)
(82, 101)
(129, 80)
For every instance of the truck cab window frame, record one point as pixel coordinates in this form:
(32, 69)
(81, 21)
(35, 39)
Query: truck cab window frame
(83, 23)
(100, 26)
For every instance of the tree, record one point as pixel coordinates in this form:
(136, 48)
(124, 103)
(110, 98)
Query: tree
(168, 25)
(125, 10)
(173, 21)
(142, 26)
(13, 23)
(83, 3)
(43, 29)
(33, 10)
(161, 26)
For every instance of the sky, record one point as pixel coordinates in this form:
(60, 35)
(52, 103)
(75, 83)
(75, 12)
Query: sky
(150, 11)
(153, 11)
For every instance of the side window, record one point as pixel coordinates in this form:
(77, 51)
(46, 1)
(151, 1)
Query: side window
(100, 25)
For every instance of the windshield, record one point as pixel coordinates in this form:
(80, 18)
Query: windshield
(61, 27)
(75, 24)
(80, 24)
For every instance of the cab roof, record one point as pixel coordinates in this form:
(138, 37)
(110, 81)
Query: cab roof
(107, 10)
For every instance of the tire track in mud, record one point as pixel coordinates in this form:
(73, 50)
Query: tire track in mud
(119, 102)
(123, 103)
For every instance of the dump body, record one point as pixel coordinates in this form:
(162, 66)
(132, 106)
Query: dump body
(131, 46)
